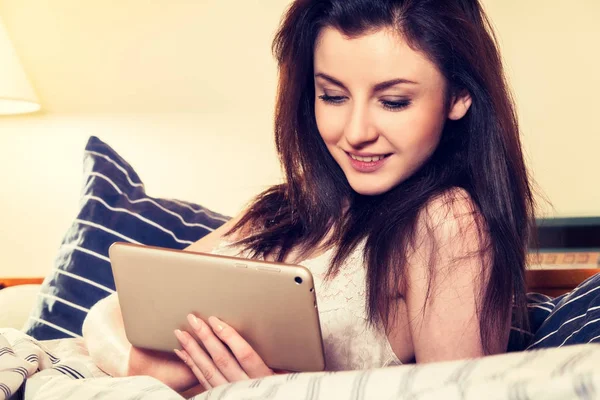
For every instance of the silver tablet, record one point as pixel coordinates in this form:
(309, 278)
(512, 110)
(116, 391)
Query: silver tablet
(272, 305)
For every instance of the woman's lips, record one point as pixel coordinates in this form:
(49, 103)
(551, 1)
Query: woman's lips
(362, 165)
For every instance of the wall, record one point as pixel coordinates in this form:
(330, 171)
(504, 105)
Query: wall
(552, 59)
(184, 91)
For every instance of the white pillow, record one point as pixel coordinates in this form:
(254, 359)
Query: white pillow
(16, 303)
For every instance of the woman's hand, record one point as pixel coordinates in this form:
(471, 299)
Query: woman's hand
(163, 366)
(218, 365)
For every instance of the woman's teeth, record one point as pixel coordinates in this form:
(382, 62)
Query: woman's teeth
(367, 159)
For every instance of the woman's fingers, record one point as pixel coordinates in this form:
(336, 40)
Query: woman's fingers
(226, 356)
(221, 357)
(245, 355)
(199, 362)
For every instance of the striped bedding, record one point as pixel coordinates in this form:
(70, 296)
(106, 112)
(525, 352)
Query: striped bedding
(62, 370)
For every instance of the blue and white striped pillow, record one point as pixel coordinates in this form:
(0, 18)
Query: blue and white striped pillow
(114, 207)
(573, 318)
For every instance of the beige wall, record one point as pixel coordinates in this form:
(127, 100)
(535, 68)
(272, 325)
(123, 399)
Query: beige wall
(185, 89)
(551, 49)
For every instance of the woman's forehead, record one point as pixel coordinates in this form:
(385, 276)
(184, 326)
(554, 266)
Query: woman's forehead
(378, 56)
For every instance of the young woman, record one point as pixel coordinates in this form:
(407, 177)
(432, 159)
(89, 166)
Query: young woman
(405, 193)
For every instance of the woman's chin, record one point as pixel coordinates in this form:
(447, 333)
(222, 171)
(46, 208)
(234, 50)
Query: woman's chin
(370, 190)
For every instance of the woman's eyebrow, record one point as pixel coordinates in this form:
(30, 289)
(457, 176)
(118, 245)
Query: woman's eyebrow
(330, 79)
(377, 88)
(384, 85)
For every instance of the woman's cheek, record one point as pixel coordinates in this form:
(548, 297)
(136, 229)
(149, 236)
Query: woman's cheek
(330, 124)
(425, 129)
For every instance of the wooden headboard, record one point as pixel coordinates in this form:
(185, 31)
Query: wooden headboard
(556, 282)
(6, 282)
(564, 236)
(550, 282)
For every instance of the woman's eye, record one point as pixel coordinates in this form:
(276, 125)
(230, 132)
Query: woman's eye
(395, 105)
(332, 99)
(388, 104)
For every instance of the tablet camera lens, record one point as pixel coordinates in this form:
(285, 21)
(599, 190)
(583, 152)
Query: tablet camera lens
(298, 280)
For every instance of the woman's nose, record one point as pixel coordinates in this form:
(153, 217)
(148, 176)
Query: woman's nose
(359, 130)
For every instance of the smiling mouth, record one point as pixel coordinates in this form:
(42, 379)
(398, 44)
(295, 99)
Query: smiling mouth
(367, 164)
(368, 159)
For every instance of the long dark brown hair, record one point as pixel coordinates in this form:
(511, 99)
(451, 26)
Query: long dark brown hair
(479, 154)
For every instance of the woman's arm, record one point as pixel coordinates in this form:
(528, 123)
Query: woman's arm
(447, 274)
(107, 344)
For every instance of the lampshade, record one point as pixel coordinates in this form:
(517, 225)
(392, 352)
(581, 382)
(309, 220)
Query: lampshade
(16, 94)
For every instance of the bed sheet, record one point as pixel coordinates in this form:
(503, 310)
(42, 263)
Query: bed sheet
(62, 370)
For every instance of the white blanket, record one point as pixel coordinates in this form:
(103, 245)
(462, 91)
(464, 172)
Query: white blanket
(62, 370)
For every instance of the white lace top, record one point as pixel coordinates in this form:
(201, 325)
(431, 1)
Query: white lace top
(349, 342)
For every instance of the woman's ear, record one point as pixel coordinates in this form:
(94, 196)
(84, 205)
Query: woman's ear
(460, 105)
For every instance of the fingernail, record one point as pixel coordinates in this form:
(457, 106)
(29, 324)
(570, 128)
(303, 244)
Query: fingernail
(216, 324)
(195, 322)
(180, 355)
(180, 336)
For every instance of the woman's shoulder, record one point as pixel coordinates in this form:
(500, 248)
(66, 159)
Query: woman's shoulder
(451, 215)
(450, 232)
(453, 203)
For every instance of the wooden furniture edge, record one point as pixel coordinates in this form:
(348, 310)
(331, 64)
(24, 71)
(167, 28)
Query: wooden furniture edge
(552, 282)
(7, 282)
(555, 282)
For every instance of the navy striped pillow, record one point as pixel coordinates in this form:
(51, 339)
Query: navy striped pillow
(114, 207)
(574, 318)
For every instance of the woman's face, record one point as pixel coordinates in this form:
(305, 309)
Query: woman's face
(380, 107)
